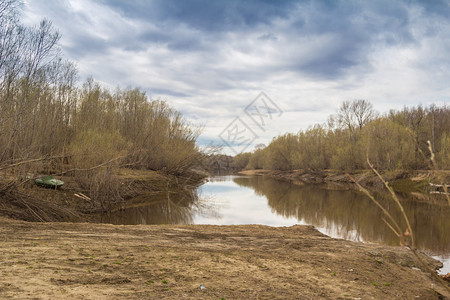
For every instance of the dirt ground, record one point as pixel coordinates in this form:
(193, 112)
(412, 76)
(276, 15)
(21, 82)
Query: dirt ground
(96, 261)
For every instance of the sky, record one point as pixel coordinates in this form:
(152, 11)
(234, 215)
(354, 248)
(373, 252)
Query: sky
(247, 71)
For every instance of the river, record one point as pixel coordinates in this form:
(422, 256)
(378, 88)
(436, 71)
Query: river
(336, 211)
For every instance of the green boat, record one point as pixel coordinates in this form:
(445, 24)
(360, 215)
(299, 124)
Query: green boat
(49, 182)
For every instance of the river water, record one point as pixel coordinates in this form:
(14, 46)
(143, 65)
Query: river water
(338, 212)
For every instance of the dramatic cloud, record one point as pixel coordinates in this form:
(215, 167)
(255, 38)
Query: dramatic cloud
(210, 59)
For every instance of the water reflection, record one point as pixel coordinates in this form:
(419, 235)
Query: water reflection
(351, 215)
(171, 207)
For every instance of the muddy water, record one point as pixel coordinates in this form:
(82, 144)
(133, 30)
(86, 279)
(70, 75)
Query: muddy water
(336, 211)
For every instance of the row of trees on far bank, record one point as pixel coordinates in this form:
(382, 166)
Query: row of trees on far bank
(395, 140)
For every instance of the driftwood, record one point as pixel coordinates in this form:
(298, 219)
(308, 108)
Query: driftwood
(439, 188)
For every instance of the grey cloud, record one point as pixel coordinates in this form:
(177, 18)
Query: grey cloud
(435, 7)
(167, 92)
(204, 15)
(202, 26)
(268, 37)
(91, 45)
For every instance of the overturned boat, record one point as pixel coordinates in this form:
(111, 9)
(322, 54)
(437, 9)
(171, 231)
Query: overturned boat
(49, 182)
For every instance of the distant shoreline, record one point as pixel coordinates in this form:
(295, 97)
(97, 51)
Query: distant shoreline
(401, 181)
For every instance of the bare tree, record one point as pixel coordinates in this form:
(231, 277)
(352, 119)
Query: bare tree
(41, 43)
(363, 112)
(356, 114)
(6, 6)
(11, 42)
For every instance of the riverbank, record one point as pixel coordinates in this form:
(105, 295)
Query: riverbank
(24, 200)
(98, 261)
(401, 181)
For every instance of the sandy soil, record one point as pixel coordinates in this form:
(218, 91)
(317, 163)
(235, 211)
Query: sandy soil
(92, 261)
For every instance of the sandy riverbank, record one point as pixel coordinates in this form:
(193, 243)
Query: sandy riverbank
(97, 261)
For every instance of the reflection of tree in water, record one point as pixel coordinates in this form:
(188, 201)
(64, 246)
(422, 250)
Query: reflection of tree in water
(351, 215)
(165, 208)
(222, 178)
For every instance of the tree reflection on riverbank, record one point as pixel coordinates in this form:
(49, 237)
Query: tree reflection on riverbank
(348, 214)
(171, 207)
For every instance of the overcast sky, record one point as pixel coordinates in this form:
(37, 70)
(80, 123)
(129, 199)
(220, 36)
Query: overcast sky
(211, 59)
